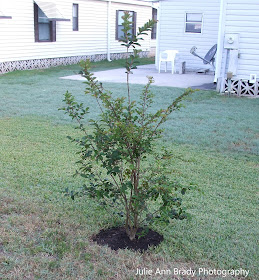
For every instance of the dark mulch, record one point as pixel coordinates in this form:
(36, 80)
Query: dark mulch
(116, 238)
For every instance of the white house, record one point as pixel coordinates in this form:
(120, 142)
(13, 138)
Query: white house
(238, 46)
(185, 23)
(231, 24)
(43, 33)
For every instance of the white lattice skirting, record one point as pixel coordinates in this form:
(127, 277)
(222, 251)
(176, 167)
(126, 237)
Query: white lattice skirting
(10, 66)
(243, 88)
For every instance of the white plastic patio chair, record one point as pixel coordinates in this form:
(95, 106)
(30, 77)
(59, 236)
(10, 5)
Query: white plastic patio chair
(167, 56)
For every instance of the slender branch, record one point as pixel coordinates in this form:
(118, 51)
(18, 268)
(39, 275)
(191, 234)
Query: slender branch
(128, 73)
(115, 181)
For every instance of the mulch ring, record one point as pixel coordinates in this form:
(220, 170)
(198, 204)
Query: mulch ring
(117, 238)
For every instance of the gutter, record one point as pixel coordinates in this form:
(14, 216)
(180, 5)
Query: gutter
(158, 36)
(109, 31)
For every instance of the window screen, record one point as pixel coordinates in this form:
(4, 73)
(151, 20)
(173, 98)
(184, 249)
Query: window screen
(193, 23)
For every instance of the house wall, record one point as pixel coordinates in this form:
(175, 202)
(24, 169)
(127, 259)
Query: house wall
(17, 34)
(172, 34)
(144, 13)
(243, 18)
(152, 47)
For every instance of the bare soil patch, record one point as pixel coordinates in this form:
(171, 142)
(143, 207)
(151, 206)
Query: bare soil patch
(116, 238)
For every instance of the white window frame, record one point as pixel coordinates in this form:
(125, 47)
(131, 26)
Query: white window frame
(185, 22)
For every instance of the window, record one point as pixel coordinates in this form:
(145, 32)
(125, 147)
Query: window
(3, 16)
(46, 14)
(154, 17)
(75, 17)
(119, 21)
(45, 29)
(193, 22)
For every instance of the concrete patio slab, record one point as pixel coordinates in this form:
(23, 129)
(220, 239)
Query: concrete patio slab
(203, 81)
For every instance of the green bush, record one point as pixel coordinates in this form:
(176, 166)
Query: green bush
(118, 156)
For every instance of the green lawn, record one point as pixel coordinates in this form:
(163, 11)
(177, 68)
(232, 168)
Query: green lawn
(45, 235)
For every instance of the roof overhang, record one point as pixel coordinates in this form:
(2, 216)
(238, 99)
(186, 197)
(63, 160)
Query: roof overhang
(51, 11)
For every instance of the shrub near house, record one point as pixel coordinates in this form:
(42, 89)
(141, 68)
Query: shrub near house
(118, 157)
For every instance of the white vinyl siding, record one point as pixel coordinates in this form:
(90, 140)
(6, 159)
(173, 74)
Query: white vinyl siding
(243, 18)
(172, 35)
(18, 40)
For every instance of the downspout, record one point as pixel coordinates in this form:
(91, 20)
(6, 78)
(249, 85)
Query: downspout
(109, 31)
(158, 36)
(220, 42)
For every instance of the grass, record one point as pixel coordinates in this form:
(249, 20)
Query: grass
(45, 235)
(210, 121)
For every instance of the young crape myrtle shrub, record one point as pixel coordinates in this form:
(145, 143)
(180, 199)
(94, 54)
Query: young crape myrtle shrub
(118, 155)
